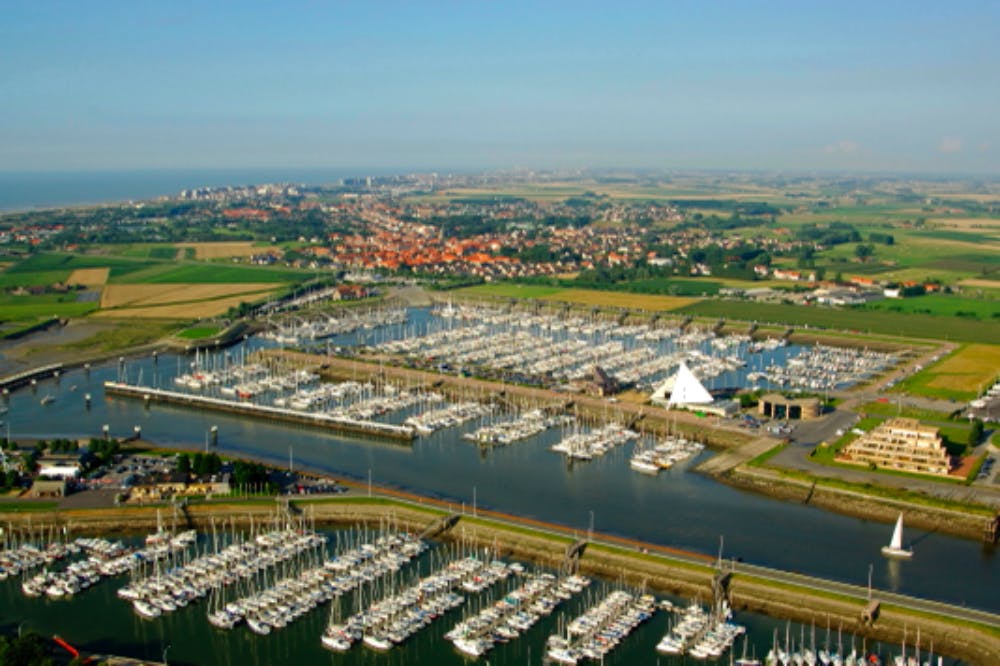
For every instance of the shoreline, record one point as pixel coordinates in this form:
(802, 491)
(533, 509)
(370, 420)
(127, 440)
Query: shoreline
(771, 483)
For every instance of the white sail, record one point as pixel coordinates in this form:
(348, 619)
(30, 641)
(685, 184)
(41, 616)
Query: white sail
(897, 535)
(895, 547)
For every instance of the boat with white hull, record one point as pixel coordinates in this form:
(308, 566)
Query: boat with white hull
(895, 548)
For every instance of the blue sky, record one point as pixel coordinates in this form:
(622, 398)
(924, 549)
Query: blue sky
(868, 86)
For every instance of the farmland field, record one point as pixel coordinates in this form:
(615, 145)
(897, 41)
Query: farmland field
(961, 376)
(188, 310)
(89, 277)
(509, 290)
(226, 250)
(620, 299)
(215, 274)
(940, 305)
(24, 308)
(121, 295)
(11, 280)
(885, 323)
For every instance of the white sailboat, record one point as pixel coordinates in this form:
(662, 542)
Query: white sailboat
(895, 547)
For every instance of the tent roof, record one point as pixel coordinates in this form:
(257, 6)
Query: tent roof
(687, 390)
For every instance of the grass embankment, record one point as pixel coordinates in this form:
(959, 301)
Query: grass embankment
(873, 491)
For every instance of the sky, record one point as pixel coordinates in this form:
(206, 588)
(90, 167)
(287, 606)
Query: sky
(820, 86)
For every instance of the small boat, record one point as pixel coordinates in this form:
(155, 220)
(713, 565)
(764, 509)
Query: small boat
(895, 547)
(48, 399)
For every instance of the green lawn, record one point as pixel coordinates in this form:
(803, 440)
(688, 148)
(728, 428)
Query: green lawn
(198, 332)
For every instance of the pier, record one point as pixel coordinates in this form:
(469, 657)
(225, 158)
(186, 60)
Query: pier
(22, 378)
(334, 423)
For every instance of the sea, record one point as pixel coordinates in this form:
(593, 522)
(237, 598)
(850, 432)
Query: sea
(29, 190)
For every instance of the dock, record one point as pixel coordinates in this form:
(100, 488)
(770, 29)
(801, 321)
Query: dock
(22, 378)
(326, 421)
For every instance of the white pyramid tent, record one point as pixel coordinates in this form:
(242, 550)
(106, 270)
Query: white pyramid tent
(687, 390)
(660, 395)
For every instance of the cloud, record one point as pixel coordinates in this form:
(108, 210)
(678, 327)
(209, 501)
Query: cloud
(950, 144)
(844, 147)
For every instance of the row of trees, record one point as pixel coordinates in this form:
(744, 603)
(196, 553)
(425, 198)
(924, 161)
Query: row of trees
(199, 464)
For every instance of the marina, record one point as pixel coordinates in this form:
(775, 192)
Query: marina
(524, 479)
(377, 572)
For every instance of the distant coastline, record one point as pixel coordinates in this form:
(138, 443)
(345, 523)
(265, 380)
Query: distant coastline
(34, 190)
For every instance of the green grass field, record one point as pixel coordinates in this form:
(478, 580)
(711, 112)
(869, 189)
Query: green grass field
(940, 305)
(861, 321)
(23, 308)
(198, 332)
(49, 262)
(960, 376)
(12, 280)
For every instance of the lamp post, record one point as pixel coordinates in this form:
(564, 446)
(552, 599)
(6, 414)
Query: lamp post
(590, 532)
(165, 650)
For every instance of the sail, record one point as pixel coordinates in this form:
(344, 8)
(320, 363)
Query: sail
(897, 535)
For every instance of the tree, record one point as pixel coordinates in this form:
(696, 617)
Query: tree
(863, 252)
(975, 433)
(29, 649)
(198, 464)
(183, 464)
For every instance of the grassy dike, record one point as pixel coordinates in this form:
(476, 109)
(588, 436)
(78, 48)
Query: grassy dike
(867, 501)
(659, 569)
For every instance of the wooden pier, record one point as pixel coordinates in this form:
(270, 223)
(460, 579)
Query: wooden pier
(326, 421)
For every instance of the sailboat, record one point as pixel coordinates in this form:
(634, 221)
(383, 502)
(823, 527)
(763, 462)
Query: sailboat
(895, 547)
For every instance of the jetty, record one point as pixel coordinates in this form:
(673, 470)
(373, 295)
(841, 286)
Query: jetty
(342, 424)
(22, 378)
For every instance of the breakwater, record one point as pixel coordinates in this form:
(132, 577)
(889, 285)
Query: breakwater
(340, 424)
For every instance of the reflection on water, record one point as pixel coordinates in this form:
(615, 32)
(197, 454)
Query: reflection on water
(894, 567)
